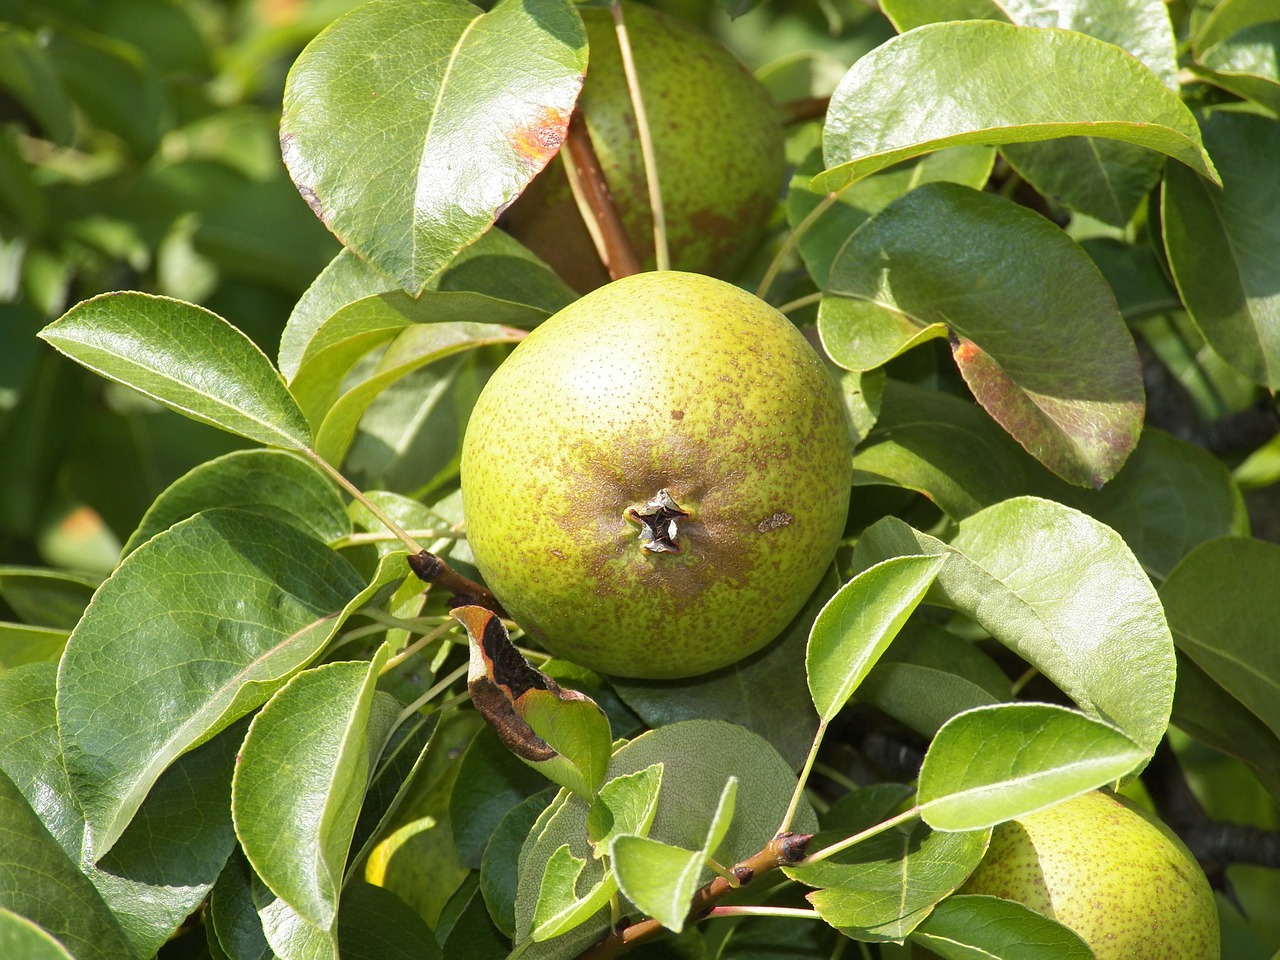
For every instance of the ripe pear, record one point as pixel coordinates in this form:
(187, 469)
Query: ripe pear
(657, 477)
(717, 138)
(1111, 872)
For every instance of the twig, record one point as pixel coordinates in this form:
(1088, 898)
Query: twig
(595, 202)
(433, 570)
(782, 850)
(798, 111)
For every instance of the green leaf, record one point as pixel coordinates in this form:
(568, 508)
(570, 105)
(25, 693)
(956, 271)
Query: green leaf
(560, 906)
(1216, 242)
(661, 879)
(231, 913)
(1065, 593)
(21, 644)
(375, 924)
(578, 731)
(909, 14)
(289, 935)
(39, 881)
(28, 76)
(988, 928)
(1136, 275)
(1034, 326)
(1004, 84)
(413, 348)
(1247, 65)
(195, 628)
(625, 806)
(269, 482)
(698, 757)
(498, 866)
(1229, 17)
(859, 623)
(300, 781)
(491, 781)
(881, 888)
(1222, 607)
(19, 937)
(46, 598)
(1001, 762)
(420, 86)
(186, 358)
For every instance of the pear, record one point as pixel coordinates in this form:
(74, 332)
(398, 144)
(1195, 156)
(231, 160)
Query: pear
(718, 141)
(1111, 872)
(656, 479)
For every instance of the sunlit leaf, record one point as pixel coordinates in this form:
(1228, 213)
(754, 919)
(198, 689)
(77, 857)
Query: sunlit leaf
(988, 928)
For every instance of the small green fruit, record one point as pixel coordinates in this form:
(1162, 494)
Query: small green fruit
(657, 477)
(718, 141)
(1111, 872)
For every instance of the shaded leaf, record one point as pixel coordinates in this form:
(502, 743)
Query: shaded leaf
(988, 928)
(194, 629)
(561, 733)
(21, 644)
(1229, 17)
(498, 874)
(20, 937)
(1065, 593)
(858, 623)
(232, 916)
(1223, 607)
(1001, 762)
(375, 924)
(1003, 84)
(184, 357)
(268, 482)
(46, 598)
(491, 781)
(422, 87)
(1218, 243)
(28, 75)
(1034, 326)
(1248, 65)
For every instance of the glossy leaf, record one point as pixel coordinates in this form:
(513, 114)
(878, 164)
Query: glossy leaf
(269, 482)
(1001, 762)
(560, 906)
(1229, 17)
(1065, 593)
(1222, 609)
(419, 87)
(1004, 84)
(300, 781)
(40, 882)
(859, 623)
(186, 358)
(414, 347)
(881, 888)
(1035, 328)
(660, 878)
(988, 928)
(1216, 241)
(194, 629)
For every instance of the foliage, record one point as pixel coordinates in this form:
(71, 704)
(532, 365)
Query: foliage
(1035, 242)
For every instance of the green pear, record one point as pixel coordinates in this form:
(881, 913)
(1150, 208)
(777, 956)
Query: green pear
(718, 141)
(1111, 872)
(658, 476)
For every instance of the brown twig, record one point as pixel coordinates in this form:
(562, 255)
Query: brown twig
(798, 111)
(595, 202)
(431, 569)
(782, 850)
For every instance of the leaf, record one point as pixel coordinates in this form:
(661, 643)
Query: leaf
(19, 937)
(881, 888)
(1247, 65)
(21, 644)
(415, 347)
(420, 86)
(698, 757)
(988, 928)
(1002, 84)
(561, 733)
(498, 873)
(186, 358)
(859, 623)
(1034, 326)
(909, 14)
(164, 658)
(1065, 593)
(38, 881)
(29, 76)
(625, 806)
(1217, 241)
(300, 781)
(491, 781)
(268, 482)
(1229, 17)
(661, 879)
(375, 924)
(560, 907)
(1136, 275)
(997, 763)
(231, 914)
(1222, 609)
(46, 598)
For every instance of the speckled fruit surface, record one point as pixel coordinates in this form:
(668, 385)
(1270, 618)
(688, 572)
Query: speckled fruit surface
(718, 141)
(670, 382)
(1110, 871)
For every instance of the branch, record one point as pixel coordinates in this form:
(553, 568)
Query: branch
(595, 202)
(798, 111)
(782, 850)
(433, 570)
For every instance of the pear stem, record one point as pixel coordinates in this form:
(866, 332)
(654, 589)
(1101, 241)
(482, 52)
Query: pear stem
(661, 252)
(804, 777)
(595, 202)
(789, 244)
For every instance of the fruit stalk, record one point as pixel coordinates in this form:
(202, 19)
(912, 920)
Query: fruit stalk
(595, 202)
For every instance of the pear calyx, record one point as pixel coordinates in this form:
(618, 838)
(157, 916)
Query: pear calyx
(657, 520)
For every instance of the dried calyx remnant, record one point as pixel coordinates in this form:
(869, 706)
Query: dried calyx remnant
(657, 520)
